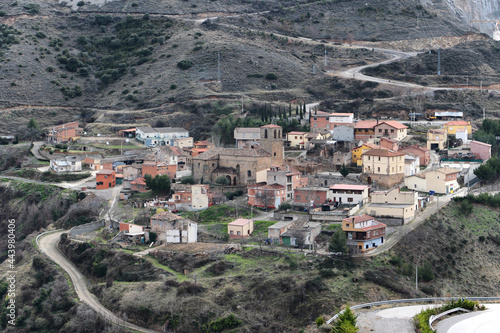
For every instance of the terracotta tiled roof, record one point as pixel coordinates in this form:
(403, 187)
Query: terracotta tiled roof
(383, 152)
(457, 123)
(393, 123)
(366, 124)
(297, 133)
(359, 218)
(138, 181)
(240, 222)
(271, 126)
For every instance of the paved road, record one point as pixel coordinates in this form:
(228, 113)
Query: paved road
(393, 320)
(35, 150)
(475, 322)
(403, 230)
(48, 244)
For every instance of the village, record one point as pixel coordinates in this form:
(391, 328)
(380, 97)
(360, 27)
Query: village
(363, 178)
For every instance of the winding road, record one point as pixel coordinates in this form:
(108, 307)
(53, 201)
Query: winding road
(48, 243)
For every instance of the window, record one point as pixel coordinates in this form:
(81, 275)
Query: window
(213, 164)
(231, 232)
(265, 134)
(315, 125)
(392, 131)
(239, 233)
(297, 197)
(274, 177)
(380, 130)
(379, 158)
(249, 173)
(295, 137)
(350, 200)
(315, 118)
(378, 169)
(274, 154)
(347, 225)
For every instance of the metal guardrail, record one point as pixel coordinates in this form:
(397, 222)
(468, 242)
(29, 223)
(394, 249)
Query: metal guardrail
(442, 314)
(413, 300)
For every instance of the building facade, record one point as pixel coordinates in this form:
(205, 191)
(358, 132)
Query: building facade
(172, 228)
(437, 139)
(350, 194)
(266, 196)
(363, 232)
(246, 136)
(240, 228)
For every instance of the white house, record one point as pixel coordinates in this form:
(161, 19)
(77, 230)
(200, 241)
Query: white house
(66, 164)
(337, 119)
(350, 194)
(160, 135)
(412, 165)
(172, 228)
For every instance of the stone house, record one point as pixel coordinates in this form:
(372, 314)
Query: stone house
(384, 166)
(66, 164)
(172, 228)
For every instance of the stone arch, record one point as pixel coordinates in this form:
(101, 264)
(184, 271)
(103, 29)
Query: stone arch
(228, 179)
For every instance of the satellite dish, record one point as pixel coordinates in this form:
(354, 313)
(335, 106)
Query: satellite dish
(127, 141)
(98, 134)
(107, 142)
(84, 133)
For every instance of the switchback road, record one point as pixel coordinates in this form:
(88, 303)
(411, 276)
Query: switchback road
(48, 244)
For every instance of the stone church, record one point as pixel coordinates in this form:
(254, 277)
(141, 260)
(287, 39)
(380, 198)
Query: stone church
(240, 166)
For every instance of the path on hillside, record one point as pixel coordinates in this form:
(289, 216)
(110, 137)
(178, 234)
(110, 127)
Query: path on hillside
(48, 243)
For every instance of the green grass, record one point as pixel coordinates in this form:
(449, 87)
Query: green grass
(218, 214)
(481, 222)
(260, 228)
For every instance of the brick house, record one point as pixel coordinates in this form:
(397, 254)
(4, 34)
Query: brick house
(320, 121)
(138, 185)
(266, 196)
(105, 179)
(481, 150)
(423, 153)
(363, 232)
(64, 132)
(389, 143)
(311, 196)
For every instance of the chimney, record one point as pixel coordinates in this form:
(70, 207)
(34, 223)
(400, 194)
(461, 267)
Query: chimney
(377, 120)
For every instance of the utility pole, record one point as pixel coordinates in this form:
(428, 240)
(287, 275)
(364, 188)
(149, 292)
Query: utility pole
(439, 61)
(430, 40)
(484, 114)
(416, 276)
(241, 103)
(314, 69)
(325, 56)
(467, 82)
(218, 67)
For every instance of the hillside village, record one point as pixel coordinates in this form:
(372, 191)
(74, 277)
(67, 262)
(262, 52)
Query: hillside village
(249, 166)
(362, 175)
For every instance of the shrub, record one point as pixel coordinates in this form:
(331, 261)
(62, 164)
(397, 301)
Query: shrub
(271, 76)
(40, 34)
(284, 206)
(173, 86)
(320, 321)
(187, 180)
(222, 324)
(184, 64)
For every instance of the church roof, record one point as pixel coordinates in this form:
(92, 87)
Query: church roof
(216, 152)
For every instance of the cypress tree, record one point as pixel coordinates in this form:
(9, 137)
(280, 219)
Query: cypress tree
(289, 109)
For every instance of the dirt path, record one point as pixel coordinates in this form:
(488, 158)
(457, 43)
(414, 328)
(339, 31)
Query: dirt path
(48, 244)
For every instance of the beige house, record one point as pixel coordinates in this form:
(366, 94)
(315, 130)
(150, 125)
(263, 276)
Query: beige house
(296, 139)
(383, 162)
(436, 138)
(394, 204)
(184, 143)
(391, 129)
(240, 228)
(200, 196)
(443, 181)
